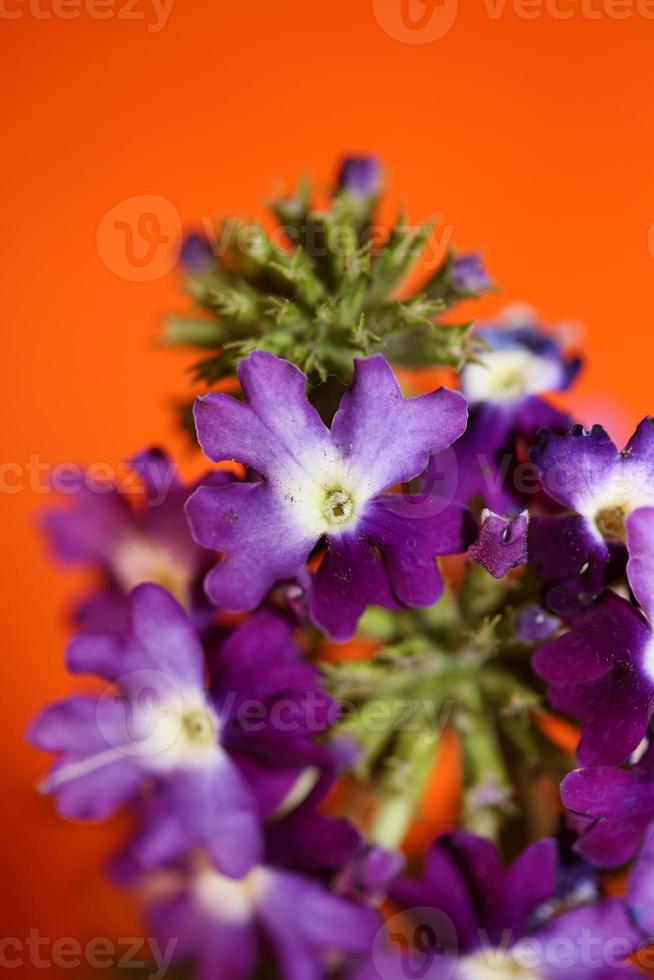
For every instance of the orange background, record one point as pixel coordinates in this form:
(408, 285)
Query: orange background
(532, 138)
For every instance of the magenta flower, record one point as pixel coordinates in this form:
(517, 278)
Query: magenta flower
(326, 487)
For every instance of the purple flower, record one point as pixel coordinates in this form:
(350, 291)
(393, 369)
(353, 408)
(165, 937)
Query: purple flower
(520, 364)
(369, 873)
(196, 253)
(225, 926)
(640, 891)
(128, 546)
(504, 388)
(534, 624)
(325, 487)
(476, 919)
(361, 176)
(599, 672)
(468, 275)
(464, 879)
(502, 543)
(611, 808)
(584, 472)
(158, 728)
(602, 670)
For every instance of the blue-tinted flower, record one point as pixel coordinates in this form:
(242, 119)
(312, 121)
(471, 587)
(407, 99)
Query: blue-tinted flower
(576, 553)
(361, 176)
(326, 487)
(602, 670)
(158, 730)
(468, 275)
(105, 532)
(504, 387)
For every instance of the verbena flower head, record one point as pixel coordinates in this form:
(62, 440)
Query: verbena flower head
(584, 472)
(320, 285)
(516, 365)
(128, 545)
(281, 910)
(158, 728)
(322, 486)
(476, 919)
(602, 670)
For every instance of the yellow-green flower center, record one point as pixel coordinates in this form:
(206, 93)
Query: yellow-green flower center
(199, 726)
(338, 506)
(610, 524)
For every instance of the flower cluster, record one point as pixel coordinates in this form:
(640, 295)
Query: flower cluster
(285, 647)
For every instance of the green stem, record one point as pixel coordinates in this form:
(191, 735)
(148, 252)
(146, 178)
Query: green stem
(403, 787)
(488, 786)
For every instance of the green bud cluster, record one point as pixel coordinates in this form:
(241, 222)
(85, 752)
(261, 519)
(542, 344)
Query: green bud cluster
(319, 287)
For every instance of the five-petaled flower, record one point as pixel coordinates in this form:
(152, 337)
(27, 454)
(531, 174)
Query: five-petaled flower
(320, 486)
(504, 385)
(159, 731)
(576, 553)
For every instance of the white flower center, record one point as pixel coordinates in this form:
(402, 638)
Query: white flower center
(161, 735)
(503, 376)
(137, 559)
(176, 735)
(326, 495)
(229, 899)
(494, 964)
